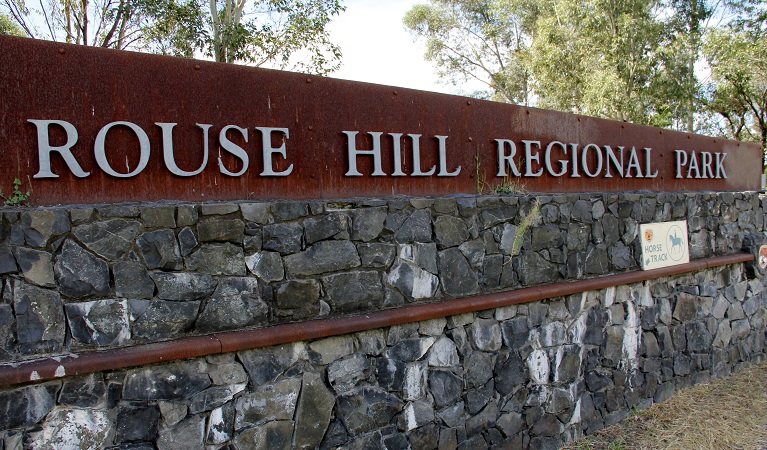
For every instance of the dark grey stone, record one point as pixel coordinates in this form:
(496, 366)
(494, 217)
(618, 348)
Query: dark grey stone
(7, 260)
(218, 209)
(534, 269)
(26, 406)
(416, 228)
(255, 212)
(39, 227)
(426, 436)
(172, 381)
(477, 398)
(160, 250)
(221, 229)
(353, 291)
(450, 231)
(284, 238)
(367, 409)
(482, 421)
(100, 322)
(329, 225)
(40, 321)
(324, 256)
(582, 212)
(349, 372)
(478, 368)
(301, 297)
(218, 259)
(234, 304)
(186, 215)
(390, 373)
(132, 280)
(376, 255)
(187, 241)
(266, 266)
(597, 261)
(445, 386)
(490, 217)
(7, 331)
(266, 364)
(158, 216)
(186, 434)
(213, 397)
(111, 239)
(457, 277)
(182, 286)
(286, 211)
(698, 337)
(79, 273)
(136, 422)
(86, 391)
(620, 256)
(546, 237)
(313, 412)
(159, 319)
(510, 371)
(367, 223)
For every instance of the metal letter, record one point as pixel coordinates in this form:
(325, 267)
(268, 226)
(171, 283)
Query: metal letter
(681, 159)
(562, 162)
(268, 151)
(504, 160)
(648, 164)
(167, 149)
(529, 158)
(634, 164)
(417, 172)
(100, 150)
(397, 153)
(584, 161)
(612, 158)
(351, 137)
(44, 149)
(443, 160)
(232, 148)
(720, 173)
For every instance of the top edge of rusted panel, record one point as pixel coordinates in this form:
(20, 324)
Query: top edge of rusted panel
(285, 135)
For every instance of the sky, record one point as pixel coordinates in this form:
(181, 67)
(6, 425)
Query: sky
(378, 49)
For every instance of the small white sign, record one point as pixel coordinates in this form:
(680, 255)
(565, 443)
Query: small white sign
(664, 244)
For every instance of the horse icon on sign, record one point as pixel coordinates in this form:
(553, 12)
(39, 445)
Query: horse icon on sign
(675, 242)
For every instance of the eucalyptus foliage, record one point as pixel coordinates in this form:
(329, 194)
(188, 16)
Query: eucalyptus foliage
(286, 34)
(693, 65)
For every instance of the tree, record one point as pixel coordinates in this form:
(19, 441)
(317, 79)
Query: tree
(288, 34)
(738, 88)
(478, 40)
(7, 26)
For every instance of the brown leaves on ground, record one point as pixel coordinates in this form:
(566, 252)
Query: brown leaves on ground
(728, 413)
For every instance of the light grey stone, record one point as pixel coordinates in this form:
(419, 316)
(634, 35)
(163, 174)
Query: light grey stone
(99, 322)
(74, 429)
(36, 266)
(269, 402)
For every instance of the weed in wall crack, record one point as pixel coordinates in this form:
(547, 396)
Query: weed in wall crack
(17, 197)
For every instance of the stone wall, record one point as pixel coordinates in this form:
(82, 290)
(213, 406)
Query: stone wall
(78, 279)
(526, 376)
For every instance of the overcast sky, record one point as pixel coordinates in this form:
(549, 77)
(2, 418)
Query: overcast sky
(377, 48)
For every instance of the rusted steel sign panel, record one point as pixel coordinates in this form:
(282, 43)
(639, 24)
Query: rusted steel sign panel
(85, 125)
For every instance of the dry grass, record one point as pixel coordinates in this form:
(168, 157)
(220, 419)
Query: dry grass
(729, 413)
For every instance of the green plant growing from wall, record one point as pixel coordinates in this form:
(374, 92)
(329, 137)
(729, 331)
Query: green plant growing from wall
(17, 197)
(524, 225)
